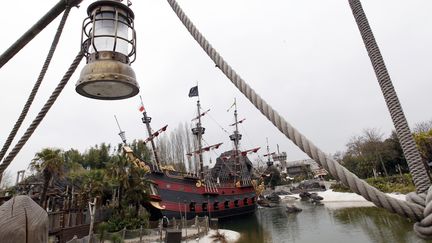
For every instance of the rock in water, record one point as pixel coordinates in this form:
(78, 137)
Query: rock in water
(23, 220)
(315, 197)
(305, 196)
(293, 209)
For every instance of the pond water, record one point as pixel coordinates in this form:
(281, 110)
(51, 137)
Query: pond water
(323, 224)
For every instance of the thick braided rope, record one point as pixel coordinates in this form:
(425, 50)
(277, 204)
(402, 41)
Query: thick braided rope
(416, 166)
(423, 228)
(406, 209)
(42, 113)
(36, 85)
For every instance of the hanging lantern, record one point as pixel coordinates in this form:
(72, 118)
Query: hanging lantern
(109, 43)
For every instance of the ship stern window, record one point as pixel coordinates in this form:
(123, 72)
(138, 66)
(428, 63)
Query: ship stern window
(204, 207)
(236, 203)
(192, 207)
(253, 200)
(226, 204)
(216, 206)
(245, 201)
(153, 190)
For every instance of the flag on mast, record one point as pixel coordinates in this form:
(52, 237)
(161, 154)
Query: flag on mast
(193, 91)
(141, 108)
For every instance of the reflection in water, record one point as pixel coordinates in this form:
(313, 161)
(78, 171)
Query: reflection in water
(377, 224)
(321, 224)
(250, 228)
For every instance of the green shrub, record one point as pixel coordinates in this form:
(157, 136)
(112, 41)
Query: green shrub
(339, 187)
(395, 183)
(116, 238)
(129, 220)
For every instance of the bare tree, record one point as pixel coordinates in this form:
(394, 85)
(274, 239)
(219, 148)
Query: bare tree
(6, 180)
(372, 135)
(172, 147)
(424, 126)
(188, 145)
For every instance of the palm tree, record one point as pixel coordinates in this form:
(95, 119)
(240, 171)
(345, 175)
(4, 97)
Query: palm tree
(117, 171)
(138, 189)
(50, 163)
(94, 183)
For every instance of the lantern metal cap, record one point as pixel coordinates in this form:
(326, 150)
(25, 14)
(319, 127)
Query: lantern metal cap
(107, 79)
(110, 3)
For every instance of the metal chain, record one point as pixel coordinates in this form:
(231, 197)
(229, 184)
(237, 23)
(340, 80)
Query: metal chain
(403, 208)
(36, 86)
(42, 112)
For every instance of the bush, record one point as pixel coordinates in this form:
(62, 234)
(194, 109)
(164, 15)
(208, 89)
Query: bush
(116, 238)
(129, 220)
(339, 187)
(395, 183)
(102, 229)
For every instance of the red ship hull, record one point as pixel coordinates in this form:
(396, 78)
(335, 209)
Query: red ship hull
(181, 197)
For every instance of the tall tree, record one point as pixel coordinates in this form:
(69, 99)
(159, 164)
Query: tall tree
(117, 172)
(370, 152)
(188, 146)
(50, 163)
(424, 143)
(6, 180)
(138, 187)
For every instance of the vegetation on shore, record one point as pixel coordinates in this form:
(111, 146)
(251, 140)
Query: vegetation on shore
(396, 183)
(371, 154)
(101, 173)
(381, 162)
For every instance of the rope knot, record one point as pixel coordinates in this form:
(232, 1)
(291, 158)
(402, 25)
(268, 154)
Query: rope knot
(423, 228)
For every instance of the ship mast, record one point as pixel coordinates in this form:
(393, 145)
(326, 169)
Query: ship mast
(146, 120)
(269, 162)
(199, 131)
(236, 137)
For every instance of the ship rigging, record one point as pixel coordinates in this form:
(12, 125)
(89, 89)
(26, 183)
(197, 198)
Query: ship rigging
(109, 30)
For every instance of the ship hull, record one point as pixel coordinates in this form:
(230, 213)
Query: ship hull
(181, 197)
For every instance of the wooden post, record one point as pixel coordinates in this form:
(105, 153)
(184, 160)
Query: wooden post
(185, 225)
(197, 224)
(206, 224)
(123, 233)
(141, 234)
(160, 230)
(16, 226)
(92, 209)
(75, 239)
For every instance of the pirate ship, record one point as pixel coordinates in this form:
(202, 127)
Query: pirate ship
(224, 191)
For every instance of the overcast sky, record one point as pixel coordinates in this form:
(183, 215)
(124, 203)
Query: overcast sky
(306, 58)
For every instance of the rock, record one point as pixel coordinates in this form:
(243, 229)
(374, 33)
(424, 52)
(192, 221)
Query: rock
(274, 198)
(315, 196)
(282, 193)
(263, 202)
(305, 196)
(293, 209)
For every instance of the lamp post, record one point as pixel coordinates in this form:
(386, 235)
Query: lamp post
(109, 42)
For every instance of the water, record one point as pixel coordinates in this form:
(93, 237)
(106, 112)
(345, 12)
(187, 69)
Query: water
(323, 224)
